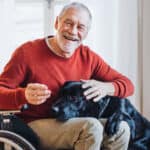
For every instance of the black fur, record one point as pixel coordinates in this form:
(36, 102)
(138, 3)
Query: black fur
(72, 103)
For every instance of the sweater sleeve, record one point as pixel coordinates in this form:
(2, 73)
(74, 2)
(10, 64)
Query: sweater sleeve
(11, 90)
(103, 72)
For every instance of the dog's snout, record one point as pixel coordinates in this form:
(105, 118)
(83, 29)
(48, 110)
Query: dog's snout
(55, 109)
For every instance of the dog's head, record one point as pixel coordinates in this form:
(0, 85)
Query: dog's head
(71, 88)
(72, 103)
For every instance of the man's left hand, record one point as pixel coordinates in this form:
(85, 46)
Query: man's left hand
(97, 89)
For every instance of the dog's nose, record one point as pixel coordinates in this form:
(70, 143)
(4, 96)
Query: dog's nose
(55, 109)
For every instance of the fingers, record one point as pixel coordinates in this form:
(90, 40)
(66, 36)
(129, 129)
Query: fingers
(96, 95)
(88, 83)
(35, 86)
(101, 95)
(36, 93)
(95, 90)
(91, 90)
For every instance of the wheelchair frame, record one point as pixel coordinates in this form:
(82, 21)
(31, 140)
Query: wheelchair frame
(8, 139)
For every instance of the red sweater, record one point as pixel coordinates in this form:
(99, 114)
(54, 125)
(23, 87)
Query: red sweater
(34, 62)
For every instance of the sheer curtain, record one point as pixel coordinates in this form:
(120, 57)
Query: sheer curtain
(21, 21)
(145, 46)
(126, 50)
(7, 29)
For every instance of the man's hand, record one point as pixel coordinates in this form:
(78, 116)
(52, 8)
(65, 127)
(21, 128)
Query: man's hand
(97, 89)
(36, 93)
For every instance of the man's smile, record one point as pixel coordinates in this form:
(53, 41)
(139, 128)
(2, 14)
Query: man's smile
(70, 38)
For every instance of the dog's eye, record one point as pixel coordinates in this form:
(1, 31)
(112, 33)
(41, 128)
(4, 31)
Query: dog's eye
(75, 98)
(72, 98)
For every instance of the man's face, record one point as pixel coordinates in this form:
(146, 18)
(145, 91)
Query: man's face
(72, 27)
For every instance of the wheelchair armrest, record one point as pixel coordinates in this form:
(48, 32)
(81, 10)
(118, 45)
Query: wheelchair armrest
(6, 112)
(5, 119)
(9, 112)
(7, 115)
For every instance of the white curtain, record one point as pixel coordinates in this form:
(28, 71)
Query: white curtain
(7, 30)
(145, 46)
(21, 21)
(126, 51)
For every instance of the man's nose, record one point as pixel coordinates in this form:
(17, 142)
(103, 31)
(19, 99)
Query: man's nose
(73, 30)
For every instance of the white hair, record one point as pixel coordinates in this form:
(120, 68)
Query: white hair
(78, 6)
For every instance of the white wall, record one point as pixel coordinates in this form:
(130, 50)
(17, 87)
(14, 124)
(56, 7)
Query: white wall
(7, 29)
(20, 21)
(146, 58)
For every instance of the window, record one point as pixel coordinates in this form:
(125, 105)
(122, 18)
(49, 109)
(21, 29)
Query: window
(29, 20)
(21, 20)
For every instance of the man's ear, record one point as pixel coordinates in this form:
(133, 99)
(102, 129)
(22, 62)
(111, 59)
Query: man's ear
(56, 23)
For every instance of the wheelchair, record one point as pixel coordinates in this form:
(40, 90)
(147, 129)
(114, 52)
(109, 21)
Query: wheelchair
(9, 140)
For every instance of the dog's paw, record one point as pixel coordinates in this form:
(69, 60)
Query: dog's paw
(112, 124)
(131, 124)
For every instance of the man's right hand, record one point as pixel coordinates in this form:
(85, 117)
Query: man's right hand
(36, 93)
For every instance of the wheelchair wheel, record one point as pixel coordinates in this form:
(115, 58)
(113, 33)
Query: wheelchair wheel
(12, 141)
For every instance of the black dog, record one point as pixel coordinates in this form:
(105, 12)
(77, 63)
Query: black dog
(72, 103)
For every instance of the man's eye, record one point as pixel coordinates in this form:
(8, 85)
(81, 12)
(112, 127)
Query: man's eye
(81, 28)
(68, 23)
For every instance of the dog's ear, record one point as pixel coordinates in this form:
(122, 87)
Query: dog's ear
(103, 103)
(71, 88)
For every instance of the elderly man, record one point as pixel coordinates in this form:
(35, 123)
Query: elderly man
(38, 69)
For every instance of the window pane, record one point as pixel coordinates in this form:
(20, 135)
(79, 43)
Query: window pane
(29, 19)
(21, 20)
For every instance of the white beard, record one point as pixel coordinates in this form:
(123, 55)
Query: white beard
(70, 47)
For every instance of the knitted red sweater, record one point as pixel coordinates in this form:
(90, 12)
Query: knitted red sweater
(34, 62)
